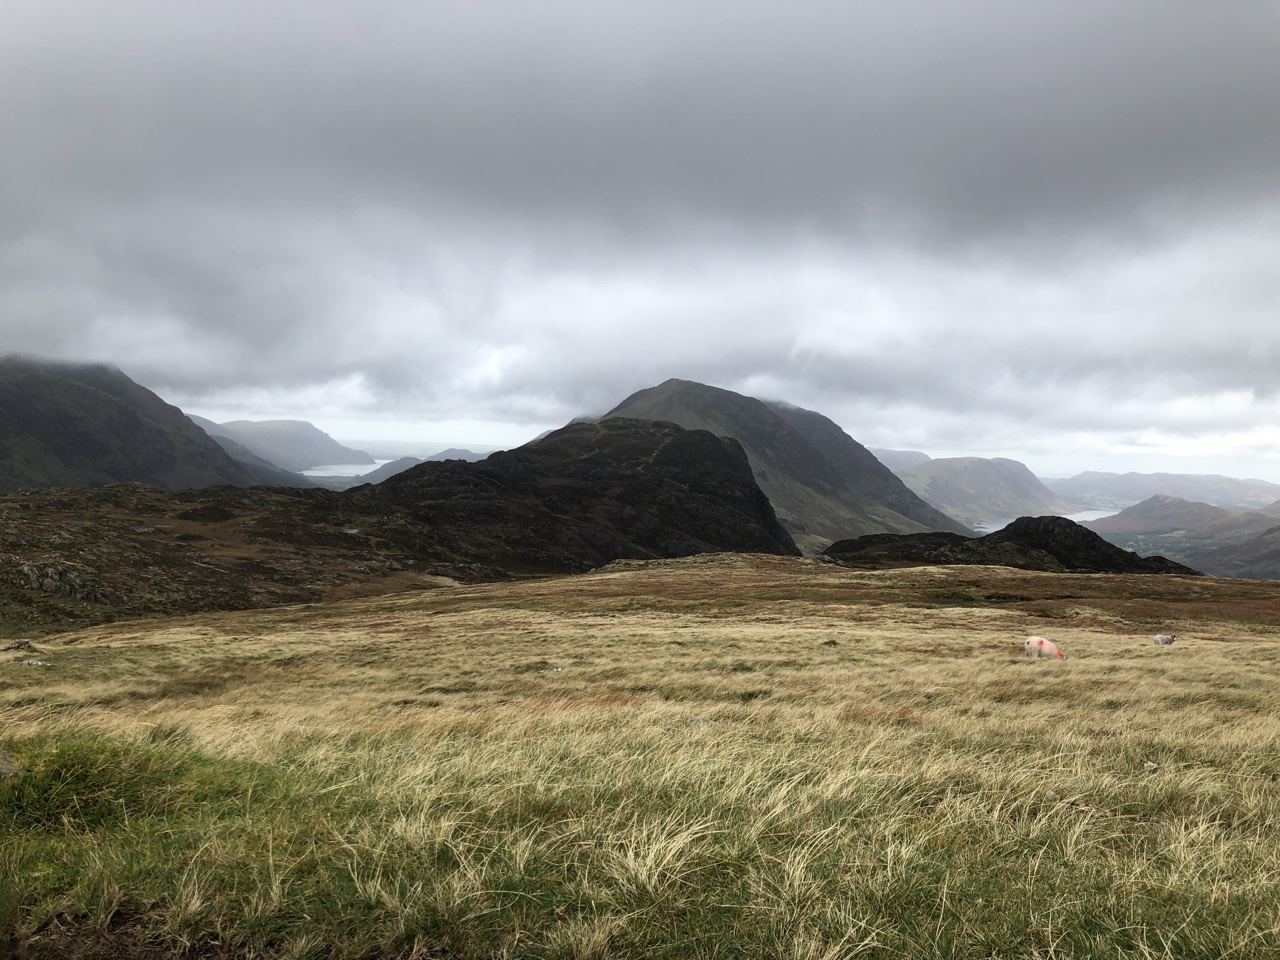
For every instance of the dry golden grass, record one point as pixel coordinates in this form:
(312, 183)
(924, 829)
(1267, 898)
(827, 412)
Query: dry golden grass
(720, 756)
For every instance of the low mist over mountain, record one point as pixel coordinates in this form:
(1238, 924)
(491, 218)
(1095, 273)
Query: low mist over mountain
(1105, 490)
(823, 484)
(239, 452)
(975, 490)
(1052, 544)
(85, 425)
(289, 444)
(897, 460)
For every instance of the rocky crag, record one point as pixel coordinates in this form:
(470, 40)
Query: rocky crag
(1052, 544)
(823, 484)
(577, 499)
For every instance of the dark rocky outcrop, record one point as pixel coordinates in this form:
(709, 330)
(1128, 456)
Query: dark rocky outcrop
(579, 498)
(1053, 544)
(590, 493)
(823, 484)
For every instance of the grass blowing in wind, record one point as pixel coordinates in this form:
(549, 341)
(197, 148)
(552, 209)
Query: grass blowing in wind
(721, 756)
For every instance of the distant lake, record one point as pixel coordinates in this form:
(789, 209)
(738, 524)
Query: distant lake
(344, 469)
(991, 526)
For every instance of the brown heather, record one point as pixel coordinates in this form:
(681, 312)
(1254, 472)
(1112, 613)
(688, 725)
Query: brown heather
(723, 756)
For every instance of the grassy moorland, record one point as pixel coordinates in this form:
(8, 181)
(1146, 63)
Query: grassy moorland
(724, 756)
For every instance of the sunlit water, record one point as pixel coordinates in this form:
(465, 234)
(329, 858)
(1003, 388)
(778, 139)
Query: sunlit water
(344, 469)
(991, 526)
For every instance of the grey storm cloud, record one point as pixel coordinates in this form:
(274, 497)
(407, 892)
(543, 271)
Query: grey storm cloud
(989, 211)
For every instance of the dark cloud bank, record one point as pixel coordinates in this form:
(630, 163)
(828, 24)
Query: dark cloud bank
(1048, 231)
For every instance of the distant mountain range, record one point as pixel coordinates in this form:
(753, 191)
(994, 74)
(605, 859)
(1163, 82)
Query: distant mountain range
(293, 445)
(1218, 541)
(385, 471)
(1052, 544)
(976, 490)
(457, 453)
(645, 480)
(1104, 491)
(86, 425)
(897, 460)
(823, 484)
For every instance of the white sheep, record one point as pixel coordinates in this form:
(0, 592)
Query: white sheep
(1164, 639)
(1040, 647)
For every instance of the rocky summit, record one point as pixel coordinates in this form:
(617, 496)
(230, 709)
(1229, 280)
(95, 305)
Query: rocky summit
(590, 493)
(576, 499)
(1052, 544)
(823, 483)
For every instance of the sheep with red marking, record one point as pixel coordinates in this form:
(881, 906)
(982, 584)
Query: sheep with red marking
(1040, 647)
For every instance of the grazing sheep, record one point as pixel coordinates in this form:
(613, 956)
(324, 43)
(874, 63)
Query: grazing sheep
(1040, 647)
(1164, 639)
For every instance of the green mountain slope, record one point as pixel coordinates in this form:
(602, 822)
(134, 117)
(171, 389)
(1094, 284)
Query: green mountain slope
(1256, 559)
(976, 489)
(823, 484)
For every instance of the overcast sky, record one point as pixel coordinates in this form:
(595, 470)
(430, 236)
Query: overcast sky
(1042, 230)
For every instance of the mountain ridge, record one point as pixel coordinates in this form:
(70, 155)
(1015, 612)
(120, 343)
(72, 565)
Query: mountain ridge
(1103, 490)
(85, 425)
(293, 445)
(823, 484)
(976, 490)
(1051, 544)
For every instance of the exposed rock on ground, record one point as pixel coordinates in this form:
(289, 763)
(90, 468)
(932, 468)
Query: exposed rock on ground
(1053, 544)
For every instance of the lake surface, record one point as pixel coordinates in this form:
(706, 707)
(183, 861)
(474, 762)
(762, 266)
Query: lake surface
(991, 526)
(344, 469)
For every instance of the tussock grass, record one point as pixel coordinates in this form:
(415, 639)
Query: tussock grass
(662, 760)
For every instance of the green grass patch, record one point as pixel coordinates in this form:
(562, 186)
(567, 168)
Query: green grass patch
(729, 839)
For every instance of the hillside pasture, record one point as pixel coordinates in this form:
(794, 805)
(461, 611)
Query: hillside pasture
(722, 756)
